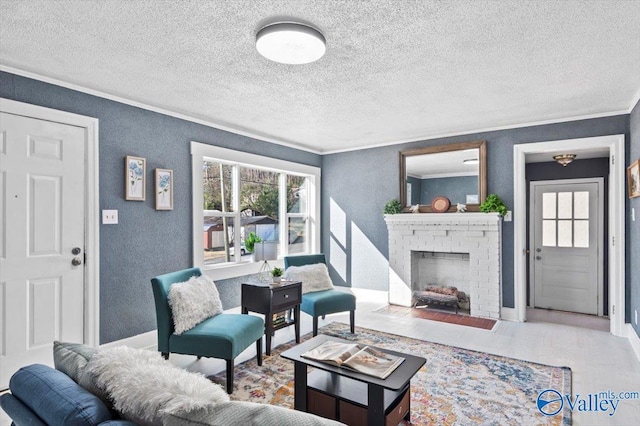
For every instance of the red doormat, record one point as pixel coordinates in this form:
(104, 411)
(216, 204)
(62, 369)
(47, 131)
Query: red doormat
(436, 315)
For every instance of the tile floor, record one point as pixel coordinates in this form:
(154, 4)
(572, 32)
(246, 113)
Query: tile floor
(599, 361)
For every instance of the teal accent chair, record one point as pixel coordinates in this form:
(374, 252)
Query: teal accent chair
(321, 303)
(223, 336)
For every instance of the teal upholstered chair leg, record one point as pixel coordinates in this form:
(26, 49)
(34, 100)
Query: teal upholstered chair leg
(223, 336)
(321, 303)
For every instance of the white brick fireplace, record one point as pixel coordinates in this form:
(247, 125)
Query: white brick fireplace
(475, 234)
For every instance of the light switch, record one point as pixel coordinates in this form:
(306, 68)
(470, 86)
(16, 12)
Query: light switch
(633, 214)
(109, 217)
(508, 217)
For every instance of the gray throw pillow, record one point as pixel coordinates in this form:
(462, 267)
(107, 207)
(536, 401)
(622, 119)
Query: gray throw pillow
(71, 358)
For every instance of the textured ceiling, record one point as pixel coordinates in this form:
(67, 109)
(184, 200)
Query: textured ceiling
(393, 70)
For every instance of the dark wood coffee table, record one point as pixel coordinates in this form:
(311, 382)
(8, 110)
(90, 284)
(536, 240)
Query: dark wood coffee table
(348, 396)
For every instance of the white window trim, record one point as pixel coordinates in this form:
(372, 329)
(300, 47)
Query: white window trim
(199, 151)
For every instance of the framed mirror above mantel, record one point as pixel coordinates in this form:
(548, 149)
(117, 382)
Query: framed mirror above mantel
(457, 171)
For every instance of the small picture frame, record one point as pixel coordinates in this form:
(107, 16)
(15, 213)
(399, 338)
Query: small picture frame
(472, 199)
(164, 189)
(135, 182)
(633, 179)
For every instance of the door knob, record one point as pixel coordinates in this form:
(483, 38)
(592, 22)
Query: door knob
(76, 261)
(76, 251)
(538, 250)
(538, 257)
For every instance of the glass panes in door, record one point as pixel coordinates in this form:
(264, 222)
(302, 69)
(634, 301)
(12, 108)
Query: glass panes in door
(565, 219)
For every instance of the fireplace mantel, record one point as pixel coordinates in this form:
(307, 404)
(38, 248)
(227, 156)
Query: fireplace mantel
(442, 217)
(479, 234)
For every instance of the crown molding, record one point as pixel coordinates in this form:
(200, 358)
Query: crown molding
(120, 99)
(265, 138)
(635, 101)
(484, 130)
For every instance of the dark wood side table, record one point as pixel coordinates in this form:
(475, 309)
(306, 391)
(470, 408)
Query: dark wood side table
(348, 396)
(268, 300)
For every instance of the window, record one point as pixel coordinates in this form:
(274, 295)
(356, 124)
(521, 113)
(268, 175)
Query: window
(237, 196)
(565, 219)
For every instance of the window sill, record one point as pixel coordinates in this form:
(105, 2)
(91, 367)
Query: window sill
(222, 272)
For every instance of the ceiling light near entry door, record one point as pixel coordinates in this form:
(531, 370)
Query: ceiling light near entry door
(564, 159)
(290, 43)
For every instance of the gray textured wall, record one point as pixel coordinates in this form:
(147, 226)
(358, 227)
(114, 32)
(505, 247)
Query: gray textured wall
(633, 229)
(146, 242)
(359, 258)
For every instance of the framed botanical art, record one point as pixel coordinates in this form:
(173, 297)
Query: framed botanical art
(135, 171)
(633, 179)
(164, 189)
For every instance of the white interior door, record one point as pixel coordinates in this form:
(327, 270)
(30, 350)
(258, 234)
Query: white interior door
(566, 239)
(42, 178)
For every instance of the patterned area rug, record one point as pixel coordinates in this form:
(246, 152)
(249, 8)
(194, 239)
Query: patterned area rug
(455, 386)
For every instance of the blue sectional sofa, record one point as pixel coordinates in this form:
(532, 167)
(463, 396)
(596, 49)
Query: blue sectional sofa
(68, 395)
(41, 395)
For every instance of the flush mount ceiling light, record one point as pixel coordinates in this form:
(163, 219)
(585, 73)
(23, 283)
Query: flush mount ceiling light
(564, 159)
(470, 161)
(290, 43)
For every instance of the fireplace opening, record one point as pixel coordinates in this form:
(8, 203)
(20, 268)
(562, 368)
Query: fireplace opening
(440, 279)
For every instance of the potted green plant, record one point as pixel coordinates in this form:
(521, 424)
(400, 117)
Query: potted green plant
(276, 273)
(250, 241)
(393, 207)
(493, 203)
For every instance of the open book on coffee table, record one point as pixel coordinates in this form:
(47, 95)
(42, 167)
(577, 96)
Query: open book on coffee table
(362, 359)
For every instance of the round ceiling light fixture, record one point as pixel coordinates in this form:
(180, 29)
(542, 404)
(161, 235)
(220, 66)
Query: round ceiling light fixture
(290, 43)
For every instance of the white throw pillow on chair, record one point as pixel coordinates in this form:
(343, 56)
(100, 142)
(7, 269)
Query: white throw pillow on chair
(314, 277)
(192, 302)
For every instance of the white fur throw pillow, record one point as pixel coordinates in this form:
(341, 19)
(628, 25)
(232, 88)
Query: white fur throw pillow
(143, 386)
(192, 302)
(314, 277)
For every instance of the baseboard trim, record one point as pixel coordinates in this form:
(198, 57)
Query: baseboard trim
(634, 340)
(508, 314)
(148, 340)
(365, 294)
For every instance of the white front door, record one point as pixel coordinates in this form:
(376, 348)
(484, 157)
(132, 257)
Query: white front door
(566, 245)
(42, 179)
